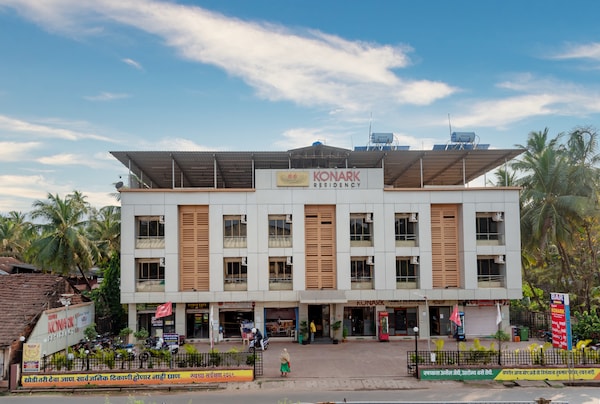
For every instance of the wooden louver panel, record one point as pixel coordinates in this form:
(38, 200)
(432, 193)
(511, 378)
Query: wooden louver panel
(444, 246)
(193, 248)
(320, 247)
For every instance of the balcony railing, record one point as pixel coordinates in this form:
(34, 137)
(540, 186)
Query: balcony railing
(490, 281)
(235, 242)
(150, 285)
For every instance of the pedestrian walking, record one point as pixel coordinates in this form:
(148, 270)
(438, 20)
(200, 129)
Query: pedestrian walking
(313, 329)
(285, 366)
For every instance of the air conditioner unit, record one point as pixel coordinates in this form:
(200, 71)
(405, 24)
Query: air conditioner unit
(289, 261)
(244, 261)
(414, 260)
(499, 259)
(413, 218)
(161, 263)
(288, 218)
(369, 218)
(161, 219)
(498, 217)
(242, 218)
(370, 260)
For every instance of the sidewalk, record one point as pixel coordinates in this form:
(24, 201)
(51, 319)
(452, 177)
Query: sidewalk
(354, 365)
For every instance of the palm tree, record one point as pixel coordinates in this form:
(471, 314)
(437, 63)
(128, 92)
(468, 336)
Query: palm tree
(105, 230)
(15, 235)
(63, 245)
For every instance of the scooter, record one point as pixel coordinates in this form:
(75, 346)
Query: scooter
(254, 343)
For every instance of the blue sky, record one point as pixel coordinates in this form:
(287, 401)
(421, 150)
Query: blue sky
(81, 78)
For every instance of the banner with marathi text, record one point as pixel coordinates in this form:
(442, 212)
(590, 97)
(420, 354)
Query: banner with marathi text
(135, 378)
(510, 374)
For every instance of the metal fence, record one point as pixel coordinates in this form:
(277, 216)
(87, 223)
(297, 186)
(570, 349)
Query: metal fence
(103, 361)
(527, 357)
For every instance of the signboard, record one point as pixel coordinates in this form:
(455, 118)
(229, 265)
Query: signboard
(132, 379)
(509, 374)
(561, 321)
(31, 357)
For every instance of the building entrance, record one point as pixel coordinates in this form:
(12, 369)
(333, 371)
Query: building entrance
(319, 313)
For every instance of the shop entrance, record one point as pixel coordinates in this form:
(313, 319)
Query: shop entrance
(403, 321)
(439, 321)
(231, 321)
(319, 313)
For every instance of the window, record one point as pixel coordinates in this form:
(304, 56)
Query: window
(150, 276)
(234, 231)
(280, 231)
(361, 229)
(405, 225)
(236, 274)
(361, 272)
(150, 232)
(280, 273)
(488, 228)
(490, 271)
(407, 275)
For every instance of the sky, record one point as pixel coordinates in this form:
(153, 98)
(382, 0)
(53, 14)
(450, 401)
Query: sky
(79, 79)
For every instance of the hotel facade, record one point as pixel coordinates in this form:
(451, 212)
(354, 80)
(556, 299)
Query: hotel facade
(321, 234)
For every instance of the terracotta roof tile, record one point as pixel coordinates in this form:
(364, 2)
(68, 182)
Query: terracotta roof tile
(23, 297)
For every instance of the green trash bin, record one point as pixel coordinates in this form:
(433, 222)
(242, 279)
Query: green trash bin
(524, 334)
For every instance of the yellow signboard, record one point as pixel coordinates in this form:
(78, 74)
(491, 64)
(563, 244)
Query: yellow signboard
(292, 178)
(135, 378)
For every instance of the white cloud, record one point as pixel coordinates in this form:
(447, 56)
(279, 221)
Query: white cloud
(68, 159)
(580, 51)
(45, 131)
(17, 151)
(310, 68)
(106, 96)
(132, 63)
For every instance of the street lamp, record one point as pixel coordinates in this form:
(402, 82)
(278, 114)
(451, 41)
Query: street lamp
(416, 330)
(65, 300)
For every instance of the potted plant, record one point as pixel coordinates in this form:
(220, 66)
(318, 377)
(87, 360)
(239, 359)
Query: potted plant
(336, 327)
(303, 337)
(344, 333)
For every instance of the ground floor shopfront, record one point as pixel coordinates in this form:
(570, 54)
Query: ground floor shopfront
(360, 318)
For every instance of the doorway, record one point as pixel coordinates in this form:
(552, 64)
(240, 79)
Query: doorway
(319, 313)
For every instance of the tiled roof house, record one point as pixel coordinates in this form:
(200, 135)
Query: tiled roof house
(23, 298)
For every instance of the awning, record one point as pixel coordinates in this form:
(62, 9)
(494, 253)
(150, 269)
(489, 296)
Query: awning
(323, 296)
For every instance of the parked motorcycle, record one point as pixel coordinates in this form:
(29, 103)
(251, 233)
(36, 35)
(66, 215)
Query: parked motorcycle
(153, 345)
(254, 343)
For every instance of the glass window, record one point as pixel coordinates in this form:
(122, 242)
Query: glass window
(361, 229)
(150, 227)
(489, 270)
(280, 270)
(361, 269)
(406, 225)
(150, 276)
(280, 231)
(234, 231)
(488, 226)
(235, 271)
(406, 270)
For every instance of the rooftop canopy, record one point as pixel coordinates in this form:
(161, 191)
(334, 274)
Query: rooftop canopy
(235, 169)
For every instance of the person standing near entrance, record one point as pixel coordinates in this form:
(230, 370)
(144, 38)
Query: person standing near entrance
(313, 329)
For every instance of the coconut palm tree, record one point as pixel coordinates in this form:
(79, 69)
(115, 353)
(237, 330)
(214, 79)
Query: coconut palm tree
(15, 235)
(63, 245)
(105, 230)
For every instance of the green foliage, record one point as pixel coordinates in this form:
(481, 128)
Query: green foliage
(587, 326)
(142, 334)
(304, 328)
(90, 331)
(214, 357)
(345, 332)
(439, 344)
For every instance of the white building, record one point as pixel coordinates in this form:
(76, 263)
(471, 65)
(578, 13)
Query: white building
(318, 233)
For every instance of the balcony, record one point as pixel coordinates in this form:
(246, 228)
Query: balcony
(281, 283)
(150, 285)
(361, 283)
(280, 241)
(235, 284)
(490, 239)
(154, 243)
(490, 281)
(235, 242)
